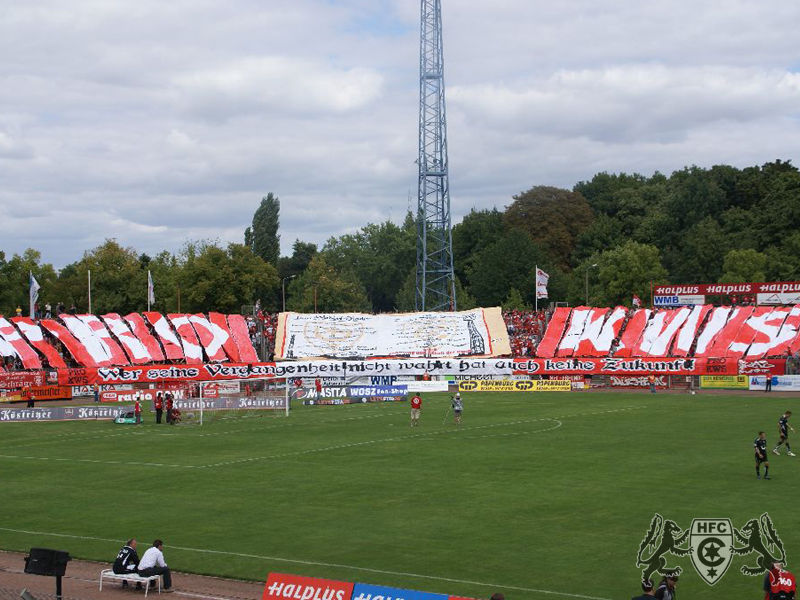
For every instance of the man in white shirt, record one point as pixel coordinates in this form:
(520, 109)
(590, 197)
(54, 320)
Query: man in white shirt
(152, 563)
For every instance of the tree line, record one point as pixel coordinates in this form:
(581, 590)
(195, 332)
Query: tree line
(618, 232)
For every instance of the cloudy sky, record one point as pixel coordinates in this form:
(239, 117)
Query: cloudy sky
(155, 122)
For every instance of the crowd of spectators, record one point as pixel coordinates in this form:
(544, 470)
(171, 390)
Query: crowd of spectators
(525, 330)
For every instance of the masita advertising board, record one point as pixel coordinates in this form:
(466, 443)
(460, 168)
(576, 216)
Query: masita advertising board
(515, 385)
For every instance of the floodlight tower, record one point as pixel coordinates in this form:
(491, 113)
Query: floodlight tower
(435, 278)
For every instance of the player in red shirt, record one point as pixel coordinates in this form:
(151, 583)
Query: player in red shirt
(137, 410)
(779, 584)
(416, 408)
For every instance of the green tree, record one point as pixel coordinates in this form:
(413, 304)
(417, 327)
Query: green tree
(15, 281)
(553, 218)
(119, 283)
(620, 273)
(224, 279)
(380, 256)
(508, 263)
(321, 285)
(741, 266)
(514, 301)
(476, 231)
(266, 243)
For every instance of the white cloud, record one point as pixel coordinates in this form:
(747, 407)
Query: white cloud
(158, 122)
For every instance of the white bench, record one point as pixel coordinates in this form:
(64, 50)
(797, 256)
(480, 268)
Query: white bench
(130, 577)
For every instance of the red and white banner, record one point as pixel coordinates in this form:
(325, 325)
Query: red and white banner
(191, 345)
(231, 349)
(102, 334)
(139, 329)
(75, 348)
(172, 345)
(136, 350)
(212, 337)
(633, 332)
(541, 283)
(552, 336)
(725, 289)
(29, 358)
(294, 587)
(33, 333)
(14, 380)
(241, 335)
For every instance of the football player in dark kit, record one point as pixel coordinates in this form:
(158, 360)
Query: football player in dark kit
(760, 446)
(783, 430)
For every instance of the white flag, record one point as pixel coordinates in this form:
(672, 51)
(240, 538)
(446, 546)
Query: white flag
(541, 283)
(151, 291)
(33, 293)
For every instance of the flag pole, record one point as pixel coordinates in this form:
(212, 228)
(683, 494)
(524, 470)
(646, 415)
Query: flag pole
(30, 293)
(89, 276)
(148, 290)
(536, 288)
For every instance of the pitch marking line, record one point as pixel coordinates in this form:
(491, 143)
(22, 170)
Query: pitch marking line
(323, 564)
(410, 437)
(458, 431)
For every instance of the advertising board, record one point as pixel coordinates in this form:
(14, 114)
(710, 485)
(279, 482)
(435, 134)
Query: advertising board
(724, 382)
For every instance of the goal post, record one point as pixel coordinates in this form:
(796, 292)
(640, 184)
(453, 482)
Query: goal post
(209, 401)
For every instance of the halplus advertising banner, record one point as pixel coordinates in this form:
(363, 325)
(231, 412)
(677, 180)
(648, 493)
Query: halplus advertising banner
(281, 586)
(725, 289)
(478, 332)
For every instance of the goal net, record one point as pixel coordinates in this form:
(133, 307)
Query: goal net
(204, 403)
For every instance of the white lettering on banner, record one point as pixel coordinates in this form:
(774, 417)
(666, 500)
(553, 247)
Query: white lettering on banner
(617, 381)
(755, 366)
(304, 592)
(478, 332)
(675, 290)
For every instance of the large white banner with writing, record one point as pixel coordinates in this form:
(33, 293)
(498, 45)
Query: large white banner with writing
(479, 332)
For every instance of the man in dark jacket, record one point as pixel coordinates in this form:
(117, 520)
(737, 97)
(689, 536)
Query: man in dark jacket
(127, 561)
(647, 588)
(666, 589)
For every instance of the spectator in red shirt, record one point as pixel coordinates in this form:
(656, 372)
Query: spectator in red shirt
(137, 410)
(416, 408)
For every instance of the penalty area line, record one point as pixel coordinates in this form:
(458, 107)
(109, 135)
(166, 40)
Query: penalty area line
(323, 564)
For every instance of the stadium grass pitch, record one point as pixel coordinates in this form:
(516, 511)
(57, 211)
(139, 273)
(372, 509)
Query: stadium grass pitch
(538, 495)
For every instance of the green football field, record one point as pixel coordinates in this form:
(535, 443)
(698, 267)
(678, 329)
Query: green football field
(538, 495)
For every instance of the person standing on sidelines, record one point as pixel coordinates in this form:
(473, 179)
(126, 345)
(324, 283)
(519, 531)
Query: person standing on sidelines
(651, 379)
(158, 404)
(647, 588)
(779, 584)
(137, 409)
(416, 409)
(168, 406)
(783, 431)
(666, 589)
(457, 407)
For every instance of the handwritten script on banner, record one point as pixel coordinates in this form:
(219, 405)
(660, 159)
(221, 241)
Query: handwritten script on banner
(479, 332)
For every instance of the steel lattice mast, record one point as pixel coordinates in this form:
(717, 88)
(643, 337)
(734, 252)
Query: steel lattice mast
(435, 278)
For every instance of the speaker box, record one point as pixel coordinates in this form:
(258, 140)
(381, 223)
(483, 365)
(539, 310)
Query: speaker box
(42, 561)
